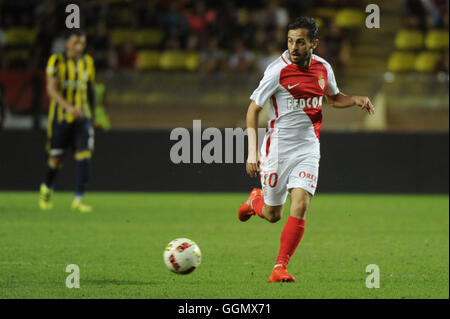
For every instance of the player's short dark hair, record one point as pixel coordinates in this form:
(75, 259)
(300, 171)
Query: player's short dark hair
(307, 23)
(70, 32)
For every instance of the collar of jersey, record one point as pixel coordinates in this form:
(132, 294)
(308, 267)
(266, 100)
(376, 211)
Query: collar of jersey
(285, 57)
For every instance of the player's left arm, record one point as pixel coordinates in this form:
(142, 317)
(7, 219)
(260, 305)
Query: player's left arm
(90, 85)
(91, 95)
(341, 100)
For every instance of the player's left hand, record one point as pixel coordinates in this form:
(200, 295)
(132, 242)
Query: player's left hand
(364, 103)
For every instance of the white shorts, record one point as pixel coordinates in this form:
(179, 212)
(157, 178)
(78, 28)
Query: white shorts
(280, 175)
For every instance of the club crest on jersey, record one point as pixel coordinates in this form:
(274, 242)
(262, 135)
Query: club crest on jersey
(321, 82)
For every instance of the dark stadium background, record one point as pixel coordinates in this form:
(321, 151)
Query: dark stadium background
(166, 63)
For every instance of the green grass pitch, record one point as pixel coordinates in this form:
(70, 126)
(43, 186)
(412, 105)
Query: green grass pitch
(119, 247)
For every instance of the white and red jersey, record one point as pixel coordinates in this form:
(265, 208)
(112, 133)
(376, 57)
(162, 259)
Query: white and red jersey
(296, 98)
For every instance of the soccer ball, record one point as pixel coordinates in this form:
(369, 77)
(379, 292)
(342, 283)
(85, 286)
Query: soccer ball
(182, 256)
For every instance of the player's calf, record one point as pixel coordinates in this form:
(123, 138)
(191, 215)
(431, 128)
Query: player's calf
(54, 165)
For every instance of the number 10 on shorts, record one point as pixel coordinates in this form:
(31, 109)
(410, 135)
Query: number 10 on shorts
(270, 179)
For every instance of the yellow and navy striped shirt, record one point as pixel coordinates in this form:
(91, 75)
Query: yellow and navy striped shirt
(73, 78)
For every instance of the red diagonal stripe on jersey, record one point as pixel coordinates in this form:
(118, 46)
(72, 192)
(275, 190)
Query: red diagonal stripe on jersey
(315, 116)
(272, 123)
(275, 106)
(268, 142)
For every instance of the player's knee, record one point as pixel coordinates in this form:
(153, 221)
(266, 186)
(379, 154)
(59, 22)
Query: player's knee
(273, 218)
(55, 162)
(273, 213)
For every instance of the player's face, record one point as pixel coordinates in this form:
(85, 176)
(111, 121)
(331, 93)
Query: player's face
(300, 47)
(76, 45)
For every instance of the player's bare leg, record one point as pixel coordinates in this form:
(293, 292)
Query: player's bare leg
(300, 200)
(291, 235)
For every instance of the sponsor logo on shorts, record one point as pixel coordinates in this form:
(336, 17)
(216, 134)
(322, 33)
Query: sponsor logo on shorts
(309, 176)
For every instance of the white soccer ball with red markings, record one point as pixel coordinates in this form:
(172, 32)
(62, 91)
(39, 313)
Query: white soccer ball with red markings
(182, 256)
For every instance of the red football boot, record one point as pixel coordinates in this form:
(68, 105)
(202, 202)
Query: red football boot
(280, 274)
(246, 210)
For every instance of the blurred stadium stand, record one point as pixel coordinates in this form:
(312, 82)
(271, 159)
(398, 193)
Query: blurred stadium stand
(166, 62)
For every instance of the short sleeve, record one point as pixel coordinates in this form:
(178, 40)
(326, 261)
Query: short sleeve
(52, 65)
(332, 88)
(267, 87)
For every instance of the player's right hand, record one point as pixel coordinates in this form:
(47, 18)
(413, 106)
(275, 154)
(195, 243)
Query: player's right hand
(76, 113)
(252, 168)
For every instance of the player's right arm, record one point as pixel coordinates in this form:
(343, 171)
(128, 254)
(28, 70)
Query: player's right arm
(252, 164)
(266, 88)
(52, 88)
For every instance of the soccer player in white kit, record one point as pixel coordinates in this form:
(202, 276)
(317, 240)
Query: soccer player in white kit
(295, 85)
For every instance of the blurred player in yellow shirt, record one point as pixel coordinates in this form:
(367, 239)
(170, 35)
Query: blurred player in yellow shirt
(70, 76)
